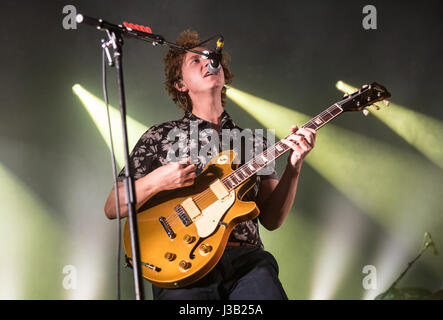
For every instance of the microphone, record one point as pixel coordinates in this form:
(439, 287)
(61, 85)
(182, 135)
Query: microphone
(431, 243)
(214, 65)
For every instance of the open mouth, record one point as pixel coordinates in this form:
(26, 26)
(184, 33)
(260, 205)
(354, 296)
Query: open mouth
(207, 74)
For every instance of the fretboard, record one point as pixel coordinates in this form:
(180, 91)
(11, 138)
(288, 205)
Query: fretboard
(259, 162)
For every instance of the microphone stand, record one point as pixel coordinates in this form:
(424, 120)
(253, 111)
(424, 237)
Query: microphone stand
(426, 243)
(115, 35)
(116, 40)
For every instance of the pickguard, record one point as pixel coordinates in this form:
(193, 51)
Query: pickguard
(208, 221)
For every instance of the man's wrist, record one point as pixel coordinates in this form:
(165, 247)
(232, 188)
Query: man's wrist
(294, 169)
(151, 183)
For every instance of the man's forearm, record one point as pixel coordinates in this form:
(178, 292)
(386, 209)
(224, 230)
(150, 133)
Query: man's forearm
(145, 188)
(280, 201)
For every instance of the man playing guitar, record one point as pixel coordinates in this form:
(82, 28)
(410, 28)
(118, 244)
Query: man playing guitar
(246, 270)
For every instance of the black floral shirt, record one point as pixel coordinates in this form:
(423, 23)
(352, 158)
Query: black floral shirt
(190, 136)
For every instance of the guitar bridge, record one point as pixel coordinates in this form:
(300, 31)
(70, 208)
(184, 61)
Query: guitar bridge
(167, 227)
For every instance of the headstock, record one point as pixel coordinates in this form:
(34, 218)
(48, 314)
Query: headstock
(366, 96)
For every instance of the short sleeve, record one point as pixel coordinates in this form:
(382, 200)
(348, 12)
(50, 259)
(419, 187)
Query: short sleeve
(142, 155)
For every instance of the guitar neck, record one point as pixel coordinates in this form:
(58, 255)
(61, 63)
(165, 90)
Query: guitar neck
(259, 162)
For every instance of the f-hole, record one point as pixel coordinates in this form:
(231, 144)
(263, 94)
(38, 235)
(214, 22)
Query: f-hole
(191, 254)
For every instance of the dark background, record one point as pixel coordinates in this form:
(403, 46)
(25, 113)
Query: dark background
(288, 52)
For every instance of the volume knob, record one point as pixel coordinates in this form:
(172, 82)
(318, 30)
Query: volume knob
(188, 239)
(205, 249)
(184, 265)
(170, 256)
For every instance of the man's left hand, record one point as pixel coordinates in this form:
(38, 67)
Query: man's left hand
(301, 141)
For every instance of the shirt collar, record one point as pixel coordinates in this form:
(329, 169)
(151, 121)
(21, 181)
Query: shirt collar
(226, 120)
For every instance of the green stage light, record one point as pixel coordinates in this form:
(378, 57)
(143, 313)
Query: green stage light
(372, 174)
(296, 265)
(340, 234)
(32, 243)
(389, 183)
(421, 131)
(270, 114)
(97, 110)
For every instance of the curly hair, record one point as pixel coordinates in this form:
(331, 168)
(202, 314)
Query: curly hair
(173, 61)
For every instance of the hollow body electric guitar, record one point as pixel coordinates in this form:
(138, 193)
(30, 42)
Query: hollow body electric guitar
(183, 232)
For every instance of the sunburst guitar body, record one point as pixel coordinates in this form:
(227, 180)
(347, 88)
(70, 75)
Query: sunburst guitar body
(183, 232)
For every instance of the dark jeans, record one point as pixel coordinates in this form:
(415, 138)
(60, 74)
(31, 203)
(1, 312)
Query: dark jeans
(243, 273)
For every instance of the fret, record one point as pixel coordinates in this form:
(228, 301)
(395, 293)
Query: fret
(227, 183)
(244, 174)
(330, 111)
(327, 117)
(336, 109)
(310, 125)
(282, 146)
(260, 161)
(318, 121)
(270, 153)
(278, 147)
(263, 158)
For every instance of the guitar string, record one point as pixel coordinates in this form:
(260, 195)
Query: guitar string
(171, 219)
(206, 194)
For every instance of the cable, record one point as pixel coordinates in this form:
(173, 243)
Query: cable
(203, 42)
(114, 171)
(190, 49)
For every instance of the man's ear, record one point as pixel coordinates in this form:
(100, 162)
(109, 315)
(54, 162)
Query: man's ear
(179, 85)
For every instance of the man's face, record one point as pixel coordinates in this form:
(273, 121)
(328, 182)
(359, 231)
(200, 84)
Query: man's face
(196, 77)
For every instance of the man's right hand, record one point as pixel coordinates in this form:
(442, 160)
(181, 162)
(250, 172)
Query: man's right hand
(170, 176)
(175, 175)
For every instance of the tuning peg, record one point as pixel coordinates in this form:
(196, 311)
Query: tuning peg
(365, 112)
(364, 86)
(386, 102)
(376, 107)
(345, 96)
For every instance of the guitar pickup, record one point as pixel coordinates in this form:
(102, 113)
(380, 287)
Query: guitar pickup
(219, 189)
(191, 208)
(183, 215)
